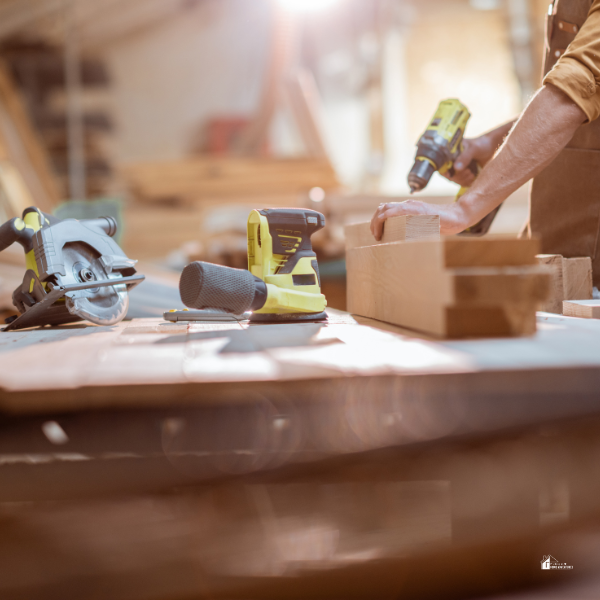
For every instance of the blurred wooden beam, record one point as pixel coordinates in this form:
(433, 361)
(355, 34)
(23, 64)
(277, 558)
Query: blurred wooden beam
(283, 36)
(303, 97)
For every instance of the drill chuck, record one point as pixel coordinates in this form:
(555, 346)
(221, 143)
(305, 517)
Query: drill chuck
(205, 285)
(420, 174)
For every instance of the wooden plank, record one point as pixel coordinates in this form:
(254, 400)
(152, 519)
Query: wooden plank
(509, 319)
(409, 284)
(154, 231)
(490, 285)
(571, 280)
(200, 177)
(381, 284)
(577, 278)
(489, 251)
(585, 309)
(396, 229)
(555, 263)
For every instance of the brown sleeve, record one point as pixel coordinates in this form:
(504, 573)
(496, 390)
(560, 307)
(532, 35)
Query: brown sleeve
(577, 72)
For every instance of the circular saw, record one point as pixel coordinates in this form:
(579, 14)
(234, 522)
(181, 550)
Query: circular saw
(75, 271)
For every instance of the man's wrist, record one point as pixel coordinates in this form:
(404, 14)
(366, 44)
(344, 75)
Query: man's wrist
(460, 214)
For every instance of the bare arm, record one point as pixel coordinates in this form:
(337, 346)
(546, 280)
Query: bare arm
(543, 130)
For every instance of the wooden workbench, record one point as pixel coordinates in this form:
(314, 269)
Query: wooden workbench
(79, 367)
(282, 394)
(309, 460)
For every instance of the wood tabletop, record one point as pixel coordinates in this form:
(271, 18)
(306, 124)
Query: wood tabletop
(151, 362)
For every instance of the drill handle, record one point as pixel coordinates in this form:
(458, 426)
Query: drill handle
(474, 167)
(14, 231)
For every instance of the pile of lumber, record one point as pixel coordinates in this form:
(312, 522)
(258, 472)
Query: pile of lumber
(173, 199)
(26, 176)
(208, 178)
(450, 287)
(38, 70)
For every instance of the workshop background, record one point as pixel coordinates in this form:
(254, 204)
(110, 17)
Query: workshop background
(177, 117)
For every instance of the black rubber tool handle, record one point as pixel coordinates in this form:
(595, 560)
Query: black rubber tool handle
(205, 285)
(10, 233)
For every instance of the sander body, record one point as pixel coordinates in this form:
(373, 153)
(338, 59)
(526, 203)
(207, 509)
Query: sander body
(437, 150)
(282, 282)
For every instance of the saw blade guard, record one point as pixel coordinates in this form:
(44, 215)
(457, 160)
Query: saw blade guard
(101, 305)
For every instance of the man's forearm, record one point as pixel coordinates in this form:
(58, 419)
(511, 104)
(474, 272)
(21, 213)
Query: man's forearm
(542, 131)
(496, 136)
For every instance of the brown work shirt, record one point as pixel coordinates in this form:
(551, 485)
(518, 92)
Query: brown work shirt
(577, 71)
(565, 197)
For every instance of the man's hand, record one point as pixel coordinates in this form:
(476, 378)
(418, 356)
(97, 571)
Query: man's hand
(480, 149)
(542, 131)
(452, 220)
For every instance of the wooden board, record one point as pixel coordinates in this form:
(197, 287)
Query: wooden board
(585, 309)
(557, 292)
(571, 280)
(396, 229)
(489, 251)
(155, 231)
(200, 177)
(151, 363)
(455, 287)
(577, 278)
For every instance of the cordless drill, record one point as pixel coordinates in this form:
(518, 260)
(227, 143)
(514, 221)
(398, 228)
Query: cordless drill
(282, 282)
(439, 147)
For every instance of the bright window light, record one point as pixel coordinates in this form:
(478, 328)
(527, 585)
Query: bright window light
(307, 5)
(317, 194)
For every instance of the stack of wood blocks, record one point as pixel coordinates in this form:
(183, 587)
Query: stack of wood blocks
(450, 287)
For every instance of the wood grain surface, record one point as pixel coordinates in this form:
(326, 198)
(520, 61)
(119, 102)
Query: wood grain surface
(432, 285)
(396, 229)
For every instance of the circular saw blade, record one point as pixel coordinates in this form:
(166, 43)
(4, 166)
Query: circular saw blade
(100, 305)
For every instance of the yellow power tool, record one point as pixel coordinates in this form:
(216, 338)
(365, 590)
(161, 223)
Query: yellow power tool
(74, 270)
(439, 147)
(282, 282)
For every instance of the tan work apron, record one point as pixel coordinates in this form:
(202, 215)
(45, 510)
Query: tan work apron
(565, 196)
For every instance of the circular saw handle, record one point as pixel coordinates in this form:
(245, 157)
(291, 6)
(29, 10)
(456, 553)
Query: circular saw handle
(14, 231)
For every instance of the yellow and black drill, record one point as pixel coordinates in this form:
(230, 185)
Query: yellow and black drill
(439, 147)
